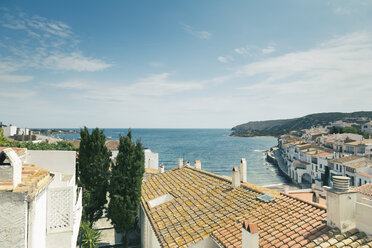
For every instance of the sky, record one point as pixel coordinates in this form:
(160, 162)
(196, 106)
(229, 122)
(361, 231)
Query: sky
(181, 64)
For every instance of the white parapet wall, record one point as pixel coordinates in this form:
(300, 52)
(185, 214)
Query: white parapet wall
(55, 161)
(364, 216)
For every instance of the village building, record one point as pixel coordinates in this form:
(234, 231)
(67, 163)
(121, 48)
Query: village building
(361, 147)
(342, 124)
(337, 141)
(189, 207)
(40, 204)
(367, 127)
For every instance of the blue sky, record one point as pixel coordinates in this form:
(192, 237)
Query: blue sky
(181, 64)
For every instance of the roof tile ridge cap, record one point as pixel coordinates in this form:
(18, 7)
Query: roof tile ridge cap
(260, 189)
(209, 174)
(307, 202)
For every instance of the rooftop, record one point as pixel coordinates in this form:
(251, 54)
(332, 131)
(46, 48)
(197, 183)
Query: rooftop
(361, 142)
(357, 165)
(200, 204)
(19, 151)
(365, 189)
(322, 154)
(33, 179)
(345, 159)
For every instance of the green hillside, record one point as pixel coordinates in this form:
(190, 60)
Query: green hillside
(279, 127)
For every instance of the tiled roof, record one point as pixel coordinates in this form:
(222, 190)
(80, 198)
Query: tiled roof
(365, 189)
(322, 154)
(112, 145)
(362, 142)
(364, 174)
(202, 203)
(288, 222)
(357, 165)
(33, 179)
(345, 159)
(19, 151)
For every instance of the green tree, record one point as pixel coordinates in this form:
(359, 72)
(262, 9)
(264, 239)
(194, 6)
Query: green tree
(93, 165)
(125, 186)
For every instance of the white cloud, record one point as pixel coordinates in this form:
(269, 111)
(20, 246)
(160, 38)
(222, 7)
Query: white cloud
(225, 59)
(204, 35)
(268, 49)
(241, 50)
(157, 85)
(9, 78)
(46, 44)
(74, 61)
(335, 75)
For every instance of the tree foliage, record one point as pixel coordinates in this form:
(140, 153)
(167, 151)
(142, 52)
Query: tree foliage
(93, 165)
(125, 186)
(61, 145)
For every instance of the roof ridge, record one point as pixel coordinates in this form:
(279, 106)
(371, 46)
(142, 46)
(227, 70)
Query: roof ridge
(247, 185)
(316, 205)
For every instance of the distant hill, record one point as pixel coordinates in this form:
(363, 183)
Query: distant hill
(279, 127)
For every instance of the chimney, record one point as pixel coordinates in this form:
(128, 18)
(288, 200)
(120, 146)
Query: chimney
(315, 197)
(286, 189)
(250, 235)
(243, 170)
(341, 204)
(180, 163)
(12, 171)
(161, 168)
(197, 164)
(235, 177)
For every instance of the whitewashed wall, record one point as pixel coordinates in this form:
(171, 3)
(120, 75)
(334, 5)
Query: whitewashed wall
(59, 161)
(151, 159)
(148, 238)
(37, 221)
(13, 220)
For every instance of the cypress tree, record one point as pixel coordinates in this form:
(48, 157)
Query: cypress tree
(125, 186)
(93, 164)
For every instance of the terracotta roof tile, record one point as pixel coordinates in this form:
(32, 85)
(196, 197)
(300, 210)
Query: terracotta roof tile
(205, 205)
(365, 189)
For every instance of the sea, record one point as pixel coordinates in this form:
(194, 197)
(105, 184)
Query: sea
(217, 151)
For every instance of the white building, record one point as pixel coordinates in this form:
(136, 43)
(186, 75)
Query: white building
(40, 205)
(151, 159)
(361, 147)
(10, 130)
(367, 127)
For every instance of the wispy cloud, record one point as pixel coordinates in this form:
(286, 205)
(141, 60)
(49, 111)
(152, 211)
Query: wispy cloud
(204, 35)
(225, 59)
(40, 43)
(334, 75)
(157, 85)
(241, 50)
(268, 49)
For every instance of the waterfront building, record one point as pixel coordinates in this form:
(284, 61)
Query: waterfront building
(9, 130)
(361, 147)
(189, 207)
(337, 141)
(367, 127)
(40, 204)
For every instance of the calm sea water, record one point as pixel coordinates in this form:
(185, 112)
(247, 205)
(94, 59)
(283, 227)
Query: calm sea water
(218, 152)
